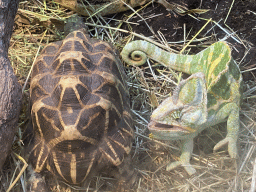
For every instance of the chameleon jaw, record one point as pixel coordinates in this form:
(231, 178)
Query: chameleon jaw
(154, 126)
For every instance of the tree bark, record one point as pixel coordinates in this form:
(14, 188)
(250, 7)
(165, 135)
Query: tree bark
(10, 89)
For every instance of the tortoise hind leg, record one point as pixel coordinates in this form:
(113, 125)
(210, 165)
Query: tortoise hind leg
(36, 182)
(126, 175)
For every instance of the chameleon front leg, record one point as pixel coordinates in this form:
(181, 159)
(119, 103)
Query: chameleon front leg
(186, 151)
(231, 111)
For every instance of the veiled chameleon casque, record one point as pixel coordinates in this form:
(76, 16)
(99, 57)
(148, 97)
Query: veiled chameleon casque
(106, 7)
(211, 95)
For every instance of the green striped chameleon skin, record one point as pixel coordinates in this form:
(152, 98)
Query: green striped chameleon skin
(211, 95)
(106, 7)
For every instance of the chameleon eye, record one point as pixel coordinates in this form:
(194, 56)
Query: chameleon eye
(176, 114)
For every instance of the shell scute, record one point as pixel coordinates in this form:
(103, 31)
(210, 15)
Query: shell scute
(48, 60)
(42, 152)
(69, 115)
(88, 66)
(88, 46)
(108, 64)
(40, 68)
(70, 98)
(56, 94)
(67, 46)
(51, 49)
(95, 58)
(55, 64)
(78, 46)
(97, 121)
(83, 92)
(70, 36)
(78, 67)
(47, 82)
(104, 47)
(49, 121)
(98, 81)
(52, 102)
(111, 93)
(64, 68)
(94, 99)
(81, 35)
(36, 93)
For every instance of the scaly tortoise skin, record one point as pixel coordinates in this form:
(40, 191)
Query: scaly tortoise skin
(106, 7)
(80, 109)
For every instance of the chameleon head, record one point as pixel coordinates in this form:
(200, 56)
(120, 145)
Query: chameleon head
(183, 114)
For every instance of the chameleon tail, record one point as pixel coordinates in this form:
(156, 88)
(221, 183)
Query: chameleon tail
(136, 53)
(211, 60)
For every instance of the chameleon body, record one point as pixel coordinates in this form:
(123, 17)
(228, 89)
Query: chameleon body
(107, 7)
(211, 95)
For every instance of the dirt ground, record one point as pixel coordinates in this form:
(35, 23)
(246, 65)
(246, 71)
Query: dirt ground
(236, 24)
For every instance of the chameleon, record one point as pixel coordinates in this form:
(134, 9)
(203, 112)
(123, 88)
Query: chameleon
(107, 7)
(210, 95)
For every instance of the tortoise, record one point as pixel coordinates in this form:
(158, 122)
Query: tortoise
(10, 89)
(80, 112)
(107, 7)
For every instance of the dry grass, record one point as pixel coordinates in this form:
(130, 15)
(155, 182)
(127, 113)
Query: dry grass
(40, 23)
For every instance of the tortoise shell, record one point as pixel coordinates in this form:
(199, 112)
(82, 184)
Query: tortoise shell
(80, 108)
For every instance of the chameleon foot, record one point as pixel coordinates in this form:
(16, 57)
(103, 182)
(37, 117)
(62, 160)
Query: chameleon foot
(184, 161)
(187, 166)
(231, 142)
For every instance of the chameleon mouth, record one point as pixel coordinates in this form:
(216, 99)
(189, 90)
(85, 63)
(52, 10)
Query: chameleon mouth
(155, 126)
